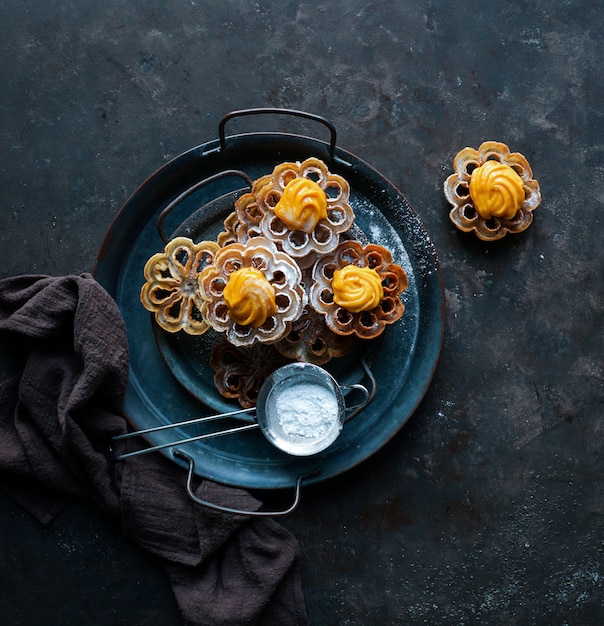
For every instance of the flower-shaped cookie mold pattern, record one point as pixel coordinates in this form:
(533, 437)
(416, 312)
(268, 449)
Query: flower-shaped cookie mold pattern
(311, 341)
(244, 222)
(240, 372)
(325, 236)
(492, 191)
(171, 288)
(363, 324)
(277, 268)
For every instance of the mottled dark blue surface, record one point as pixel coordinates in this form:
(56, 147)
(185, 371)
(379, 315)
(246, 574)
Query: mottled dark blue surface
(488, 507)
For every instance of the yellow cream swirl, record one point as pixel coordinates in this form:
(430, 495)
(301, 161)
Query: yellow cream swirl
(250, 297)
(357, 288)
(303, 204)
(496, 190)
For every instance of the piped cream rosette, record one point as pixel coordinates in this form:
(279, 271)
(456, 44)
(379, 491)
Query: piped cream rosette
(252, 292)
(492, 191)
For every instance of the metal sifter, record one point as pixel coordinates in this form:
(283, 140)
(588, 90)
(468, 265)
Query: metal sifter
(300, 410)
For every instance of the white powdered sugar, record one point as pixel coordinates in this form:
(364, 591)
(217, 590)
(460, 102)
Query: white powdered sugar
(306, 410)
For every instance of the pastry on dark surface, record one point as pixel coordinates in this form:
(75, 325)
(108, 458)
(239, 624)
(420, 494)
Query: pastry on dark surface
(492, 192)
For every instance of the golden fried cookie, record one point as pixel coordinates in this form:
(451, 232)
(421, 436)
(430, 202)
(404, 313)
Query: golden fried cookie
(281, 275)
(311, 341)
(492, 191)
(304, 239)
(171, 288)
(243, 223)
(364, 323)
(240, 372)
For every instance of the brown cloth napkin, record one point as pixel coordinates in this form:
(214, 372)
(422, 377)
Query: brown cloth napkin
(60, 404)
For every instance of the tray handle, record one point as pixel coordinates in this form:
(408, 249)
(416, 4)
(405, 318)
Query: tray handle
(185, 194)
(225, 509)
(278, 111)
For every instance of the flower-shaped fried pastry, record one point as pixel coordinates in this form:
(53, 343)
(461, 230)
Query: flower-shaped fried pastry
(492, 191)
(244, 222)
(310, 341)
(263, 282)
(171, 289)
(240, 372)
(327, 195)
(361, 318)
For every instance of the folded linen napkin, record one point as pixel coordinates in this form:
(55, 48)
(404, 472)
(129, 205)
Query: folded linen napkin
(59, 408)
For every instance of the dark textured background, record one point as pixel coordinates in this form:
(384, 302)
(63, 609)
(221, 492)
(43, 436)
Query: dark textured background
(488, 507)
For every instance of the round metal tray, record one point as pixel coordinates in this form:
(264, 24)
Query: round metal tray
(170, 377)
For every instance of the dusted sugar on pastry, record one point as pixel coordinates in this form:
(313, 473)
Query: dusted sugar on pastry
(171, 288)
(358, 289)
(492, 191)
(305, 209)
(252, 292)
